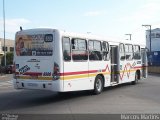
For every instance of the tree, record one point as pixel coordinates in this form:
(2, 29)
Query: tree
(9, 59)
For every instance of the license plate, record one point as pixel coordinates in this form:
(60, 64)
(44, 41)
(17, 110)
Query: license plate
(32, 84)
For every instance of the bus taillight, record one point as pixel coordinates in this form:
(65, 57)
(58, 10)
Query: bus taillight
(56, 72)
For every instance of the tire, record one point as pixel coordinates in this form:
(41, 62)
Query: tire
(98, 85)
(136, 79)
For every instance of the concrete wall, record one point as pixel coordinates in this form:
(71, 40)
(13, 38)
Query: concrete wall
(154, 69)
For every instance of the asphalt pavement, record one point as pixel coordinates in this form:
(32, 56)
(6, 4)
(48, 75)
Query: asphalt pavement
(141, 98)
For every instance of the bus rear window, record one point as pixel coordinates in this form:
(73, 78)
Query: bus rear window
(34, 45)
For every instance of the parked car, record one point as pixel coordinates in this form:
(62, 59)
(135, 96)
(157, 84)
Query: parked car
(2, 70)
(9, 69)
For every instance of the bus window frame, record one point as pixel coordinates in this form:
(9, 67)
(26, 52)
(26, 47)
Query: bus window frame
(139, 47)
(129, 52)
(71, 44)
(123, 51)
(69, 49)
(94, 50)
(108, 50)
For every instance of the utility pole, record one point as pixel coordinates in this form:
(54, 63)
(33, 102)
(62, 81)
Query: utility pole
(150, 28)
(4, 27)
(130, 36)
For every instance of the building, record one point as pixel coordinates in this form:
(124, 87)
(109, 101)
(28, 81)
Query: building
(154, 54)
(155, 39)
(9, 47)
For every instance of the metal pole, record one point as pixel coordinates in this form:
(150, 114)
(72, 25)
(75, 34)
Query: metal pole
(4, 26)
(130, 36)
(150, 39)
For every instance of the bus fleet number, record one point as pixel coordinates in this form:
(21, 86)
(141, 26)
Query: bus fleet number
(47, 74)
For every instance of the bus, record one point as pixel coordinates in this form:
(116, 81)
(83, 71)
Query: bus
(56, 60)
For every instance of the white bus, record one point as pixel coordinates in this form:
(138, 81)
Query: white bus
(50, 59)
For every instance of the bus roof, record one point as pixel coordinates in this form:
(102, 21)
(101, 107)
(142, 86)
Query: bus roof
(80, 35)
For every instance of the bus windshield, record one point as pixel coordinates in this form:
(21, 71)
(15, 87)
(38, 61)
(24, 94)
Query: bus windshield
(34, 45)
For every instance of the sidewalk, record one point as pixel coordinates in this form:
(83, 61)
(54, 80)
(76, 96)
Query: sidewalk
(5, 77)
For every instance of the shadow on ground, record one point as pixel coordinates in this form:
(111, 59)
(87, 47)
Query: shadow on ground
(30, 98)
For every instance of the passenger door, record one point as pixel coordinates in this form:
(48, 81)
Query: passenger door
(144, 63)
(114, 64)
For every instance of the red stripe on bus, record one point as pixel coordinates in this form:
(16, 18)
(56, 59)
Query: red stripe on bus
(137, 67)
(85, 72)
(31, 73)
(79, 72)
(128, 65)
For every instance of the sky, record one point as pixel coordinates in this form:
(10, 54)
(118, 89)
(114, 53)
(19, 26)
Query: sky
(113, 18)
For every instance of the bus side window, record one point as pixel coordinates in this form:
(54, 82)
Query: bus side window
(95, 50)
(129, 51)
(66, 49)
(122, 51)
(105, 49)
(79, 49)
(137, 53)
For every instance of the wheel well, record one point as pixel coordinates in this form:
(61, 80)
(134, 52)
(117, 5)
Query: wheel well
(102, 77)
(139, 74)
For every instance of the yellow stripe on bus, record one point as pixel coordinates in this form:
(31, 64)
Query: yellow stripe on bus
(70, 77)
(83, 76)
(75, 77)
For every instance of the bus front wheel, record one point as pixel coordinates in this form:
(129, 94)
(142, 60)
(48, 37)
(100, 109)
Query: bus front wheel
(98, 85)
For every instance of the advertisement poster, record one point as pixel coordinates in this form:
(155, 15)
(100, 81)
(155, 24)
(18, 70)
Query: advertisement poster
(34, 45)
